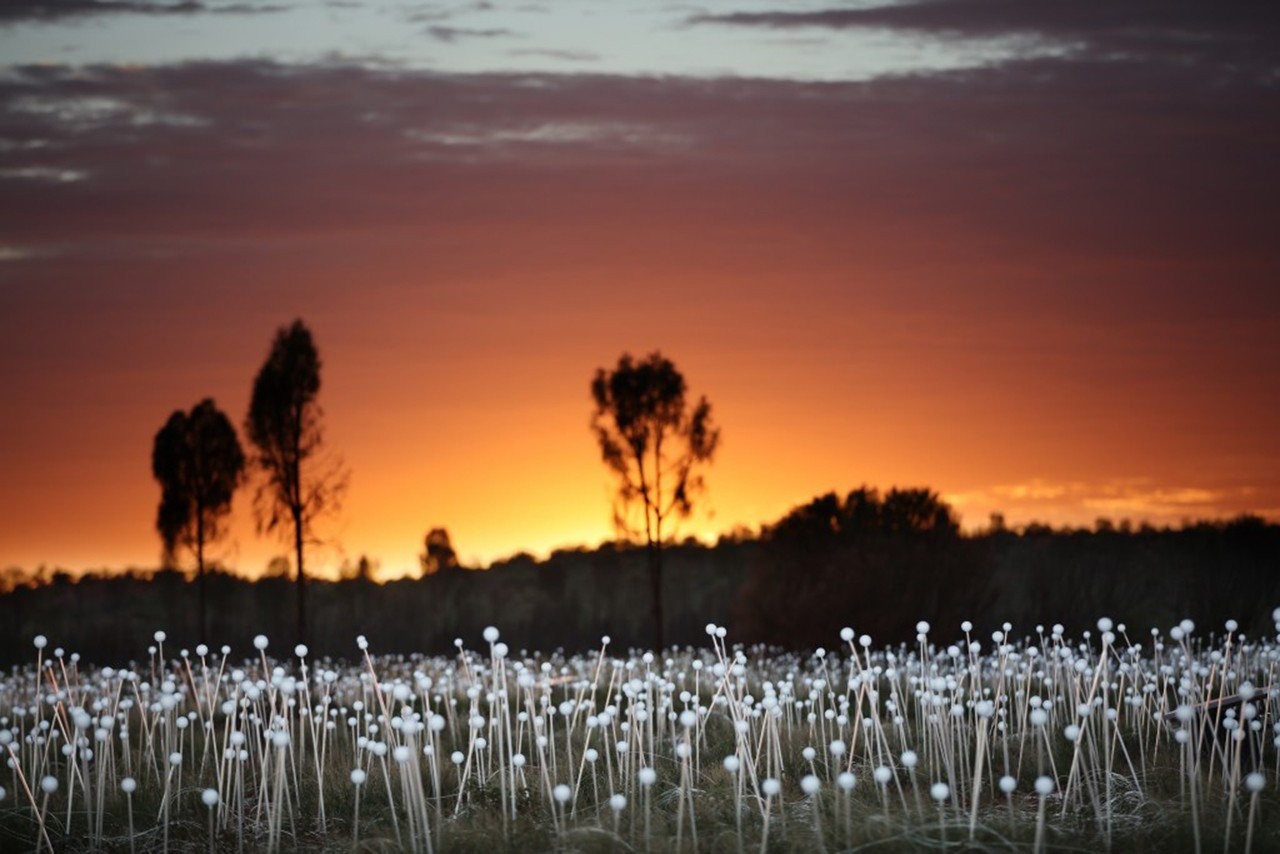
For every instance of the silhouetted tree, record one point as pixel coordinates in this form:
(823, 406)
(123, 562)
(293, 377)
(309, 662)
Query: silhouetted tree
(299, 485)
(654, 442)
(277, 567)
(917, 511)
(877, 562)
(362, 570)
(199, 464)
(438, 553)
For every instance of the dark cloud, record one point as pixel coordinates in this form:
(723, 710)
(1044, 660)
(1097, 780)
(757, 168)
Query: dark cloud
(51, 9)
(986, 17)
(247, 9)
(47, 10)
(552, 53)
(453, 34)
(1137, 183)
(1188, 28)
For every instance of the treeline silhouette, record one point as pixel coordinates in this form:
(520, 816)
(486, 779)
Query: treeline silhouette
(875, 562)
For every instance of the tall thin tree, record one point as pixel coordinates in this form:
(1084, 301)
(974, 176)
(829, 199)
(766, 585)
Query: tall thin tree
(299, 482)
(199, 464)
(655, 442)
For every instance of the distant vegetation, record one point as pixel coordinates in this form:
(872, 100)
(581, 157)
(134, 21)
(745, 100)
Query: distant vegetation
(877, 562)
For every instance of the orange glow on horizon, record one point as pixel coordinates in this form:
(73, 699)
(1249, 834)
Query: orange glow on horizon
(504, 461)
(1027, 314)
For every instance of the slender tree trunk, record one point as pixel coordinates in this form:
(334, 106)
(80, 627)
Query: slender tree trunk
(655, 582)
(302, 577)
(655, 593)
(201, 592)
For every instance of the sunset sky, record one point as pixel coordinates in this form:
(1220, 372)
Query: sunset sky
(1026, 253)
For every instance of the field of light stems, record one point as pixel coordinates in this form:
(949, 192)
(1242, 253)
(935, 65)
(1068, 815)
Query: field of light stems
(1163, 741)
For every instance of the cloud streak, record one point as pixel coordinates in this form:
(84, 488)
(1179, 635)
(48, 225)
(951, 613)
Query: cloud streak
(1080, 18)
(1082, 503)
(51, 10)
(558, 53)
(450, 35)
(46, 174)
(1224, 32)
